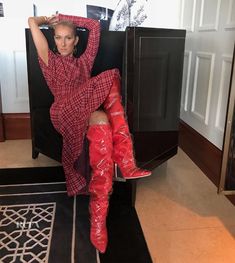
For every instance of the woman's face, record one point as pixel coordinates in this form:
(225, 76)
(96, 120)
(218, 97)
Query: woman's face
(65, 40)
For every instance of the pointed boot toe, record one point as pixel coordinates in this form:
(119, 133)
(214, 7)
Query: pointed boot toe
(99, 239)
(135, 173)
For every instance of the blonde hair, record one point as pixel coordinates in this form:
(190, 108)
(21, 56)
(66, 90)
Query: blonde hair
(68, 24)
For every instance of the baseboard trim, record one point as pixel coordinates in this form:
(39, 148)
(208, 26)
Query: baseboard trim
(202, 152)
(2, 135)
(16, 126)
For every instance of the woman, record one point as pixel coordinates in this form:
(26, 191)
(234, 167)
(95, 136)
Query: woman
(76, 113)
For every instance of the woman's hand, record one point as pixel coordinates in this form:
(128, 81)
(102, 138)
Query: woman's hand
(38, 37)
(53, 20)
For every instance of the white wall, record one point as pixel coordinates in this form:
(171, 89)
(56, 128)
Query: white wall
(71, 7)
(163, 13)
(209, 46)
(13, 68)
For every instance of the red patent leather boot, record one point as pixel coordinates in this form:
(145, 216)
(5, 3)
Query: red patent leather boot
(123, 153)
(100, 186)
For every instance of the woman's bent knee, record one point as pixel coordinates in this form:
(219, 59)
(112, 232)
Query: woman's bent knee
(98, 117)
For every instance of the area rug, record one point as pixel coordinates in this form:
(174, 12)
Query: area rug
(40, 223)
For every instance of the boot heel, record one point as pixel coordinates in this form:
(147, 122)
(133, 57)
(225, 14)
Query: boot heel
(116, 172)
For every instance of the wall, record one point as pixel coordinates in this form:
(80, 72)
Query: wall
(13, 73)
(209, 46)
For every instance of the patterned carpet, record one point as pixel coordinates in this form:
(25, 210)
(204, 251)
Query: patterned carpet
(40, 223)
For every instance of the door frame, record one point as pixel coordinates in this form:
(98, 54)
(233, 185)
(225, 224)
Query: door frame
(227, 133)
(2, 134)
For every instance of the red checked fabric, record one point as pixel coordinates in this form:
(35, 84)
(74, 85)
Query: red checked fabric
(76, 96)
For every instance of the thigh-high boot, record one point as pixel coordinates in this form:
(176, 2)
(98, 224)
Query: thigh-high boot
(123, 153)
(100, 186)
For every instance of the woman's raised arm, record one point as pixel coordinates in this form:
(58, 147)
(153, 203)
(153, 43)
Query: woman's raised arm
(94, 34)
(38, 37)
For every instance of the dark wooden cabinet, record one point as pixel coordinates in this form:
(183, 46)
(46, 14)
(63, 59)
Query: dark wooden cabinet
(150, 61)
(153, 77)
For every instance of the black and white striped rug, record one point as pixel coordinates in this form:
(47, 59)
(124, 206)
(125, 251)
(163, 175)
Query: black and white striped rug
(40, 223)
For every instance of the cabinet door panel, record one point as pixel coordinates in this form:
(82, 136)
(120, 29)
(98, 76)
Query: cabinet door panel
(153, 77)
(151, 90)
(158, 83)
